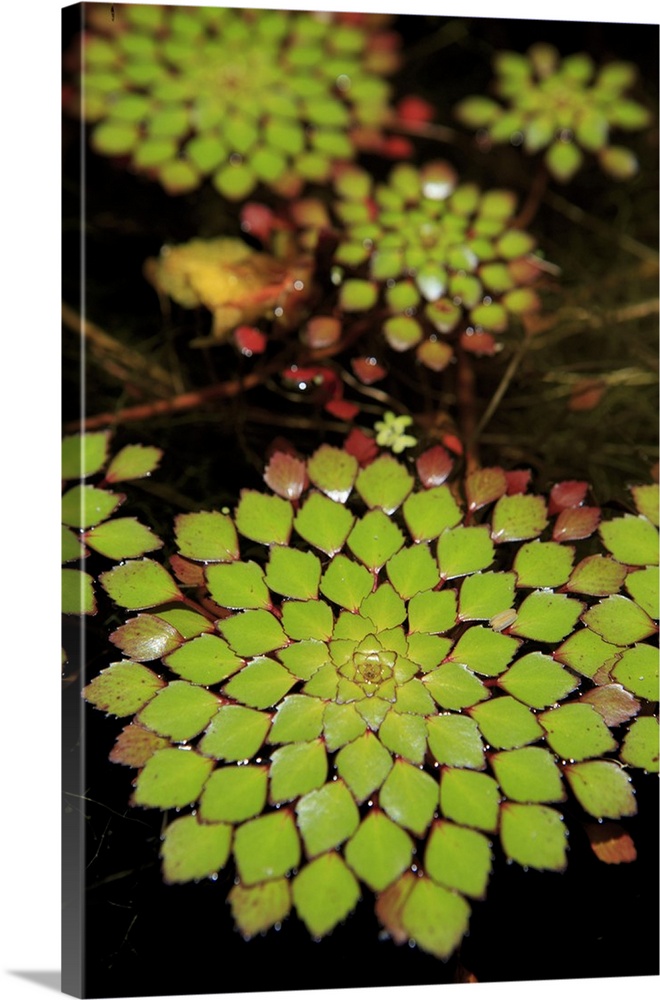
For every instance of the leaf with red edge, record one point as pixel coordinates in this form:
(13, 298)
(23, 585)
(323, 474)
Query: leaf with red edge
(569, 493)
(610, 843)
(286, 475)
(187, 572)
(250, 340)
(434, 465)
(517, 481)
(361, 446)
(435, 354)
(483, 486)
(368, 370)
(135, 745)
(586, 394)
(575, 522)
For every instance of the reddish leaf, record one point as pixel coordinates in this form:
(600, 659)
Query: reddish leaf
(187, 572)
(479, 343)
(249, 340)
(570, 493)
(415, 109)
(135, 745)
(286, 475)
(258, 220)
(517, 481)
(576, 522)
(434, 465)
(483, 486)
(586, 394)
(525, 270)
(368, 370)
(453, 443)
(361, 446)
(342, 409)
(396, 147)
(613, 703)
(610, 843)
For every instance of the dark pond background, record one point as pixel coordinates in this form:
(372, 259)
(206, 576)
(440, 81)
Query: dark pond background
(594, 920)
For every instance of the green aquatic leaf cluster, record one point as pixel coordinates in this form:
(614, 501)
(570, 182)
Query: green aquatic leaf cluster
(443, 259)
(243, 97)
(565, 106)
(88, 508)
(383, 678)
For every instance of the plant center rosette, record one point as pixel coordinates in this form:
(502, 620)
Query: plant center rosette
(390, 674)
(441, 261)
(241, 96)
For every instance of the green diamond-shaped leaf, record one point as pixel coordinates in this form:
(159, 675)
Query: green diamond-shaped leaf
(647, 501)
(428, 513)
(404, 735)
(333, 471)
(464, 550)
(324, 523)
(529, 774)
(193, 850)
(470, 798)
(304, 658)
(384, 483)
(518, 517)
(258, 907)
(171, 779)
(364, 764)
(640, 748)
(327, 817)
(432, 611)
(84, 454)
(179, 711)
(455, 740)
(458, 858)
(324, 893)
(123, 688)
(296, 769)
(537, 680)
(619, 620)
(484, 651)
(235, 733)
(546, 617)
(378, 851)
(631, 540)
(576, 732)
(384, 607)
(293, 573)
(637, 670)
(602, 788)
(543, 564)
(266, 847)
(298, 718)
(505, 723)
(134, 461)
(84, 506)
(264, 518)
(598, 576)
(139, 584)
(341, 725)
(563, 159)
(124, 538)
(347, 583)
(238, 585)
(485, 595)
(585, 652)
(306, 620)
(253, 632)
(435, 918)
(208, 535)
(77, 593)
(374, 539)
(642, 585)
(534, 836)
(409, 796)
(234, 794)
(206, 659)
(412, 570)
(453, 686)
(261, 684)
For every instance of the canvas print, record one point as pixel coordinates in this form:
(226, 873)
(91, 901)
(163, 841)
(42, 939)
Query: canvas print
(360, 500)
